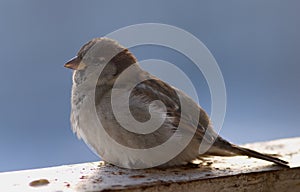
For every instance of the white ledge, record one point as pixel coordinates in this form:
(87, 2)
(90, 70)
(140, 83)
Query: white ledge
(217, 174)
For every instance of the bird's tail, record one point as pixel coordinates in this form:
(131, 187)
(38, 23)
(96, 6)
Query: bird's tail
(251, 153)
(232, 149)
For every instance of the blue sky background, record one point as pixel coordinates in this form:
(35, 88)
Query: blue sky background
(256, 44)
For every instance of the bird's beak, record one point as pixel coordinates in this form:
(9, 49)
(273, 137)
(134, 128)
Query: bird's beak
(75, 64)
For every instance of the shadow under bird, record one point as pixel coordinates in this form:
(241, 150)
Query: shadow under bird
(93, 91)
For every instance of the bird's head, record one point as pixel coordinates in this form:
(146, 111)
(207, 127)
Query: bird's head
(103, 53)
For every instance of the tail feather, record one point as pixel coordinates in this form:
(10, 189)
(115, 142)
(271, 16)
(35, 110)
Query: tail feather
(224, 148)
(251, 153)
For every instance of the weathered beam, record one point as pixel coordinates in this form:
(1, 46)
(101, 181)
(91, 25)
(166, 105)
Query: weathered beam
(216, 174)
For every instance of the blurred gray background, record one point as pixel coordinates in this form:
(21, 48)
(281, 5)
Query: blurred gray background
(256, 44)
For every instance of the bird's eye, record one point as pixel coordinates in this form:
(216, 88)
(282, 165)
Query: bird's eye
(79, 56)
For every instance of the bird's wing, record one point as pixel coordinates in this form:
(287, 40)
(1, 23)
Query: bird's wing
(155, 89)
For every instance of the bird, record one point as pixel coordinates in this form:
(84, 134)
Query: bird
(91, 90)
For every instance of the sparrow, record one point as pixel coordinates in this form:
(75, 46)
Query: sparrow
(92, 90)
